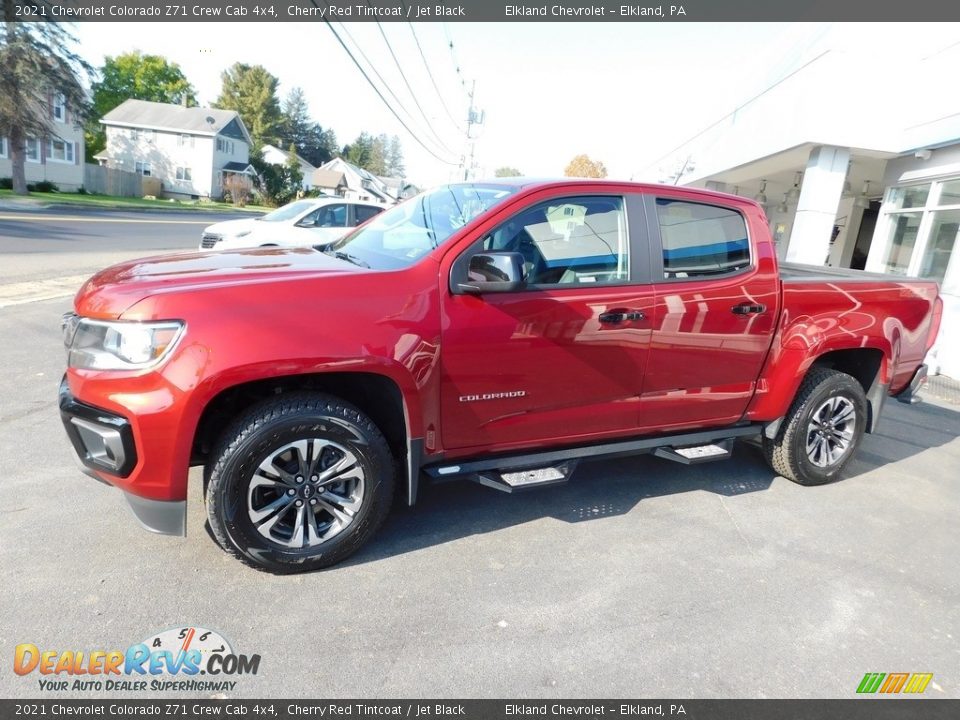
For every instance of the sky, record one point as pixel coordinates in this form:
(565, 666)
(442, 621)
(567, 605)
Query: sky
(623, 93)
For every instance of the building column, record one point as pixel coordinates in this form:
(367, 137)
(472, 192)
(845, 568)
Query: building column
(817, 206)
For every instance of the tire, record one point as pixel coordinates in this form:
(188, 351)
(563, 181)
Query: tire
(289, 458)
(800, 451)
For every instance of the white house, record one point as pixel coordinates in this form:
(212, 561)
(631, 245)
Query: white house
(852, 172)
(190, 149)
(339, 177)
(58, 159)
(275, 156)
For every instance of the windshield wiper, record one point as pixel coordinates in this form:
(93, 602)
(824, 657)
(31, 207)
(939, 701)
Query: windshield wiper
(341, 255)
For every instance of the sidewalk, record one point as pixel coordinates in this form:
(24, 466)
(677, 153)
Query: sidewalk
(943, 388)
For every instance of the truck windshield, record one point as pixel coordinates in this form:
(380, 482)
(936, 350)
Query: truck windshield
(402, 235)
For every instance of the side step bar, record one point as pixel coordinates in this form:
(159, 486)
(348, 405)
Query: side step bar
(520, 472)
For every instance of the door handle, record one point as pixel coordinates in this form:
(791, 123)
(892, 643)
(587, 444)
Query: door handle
(748, 308)
(619, 316)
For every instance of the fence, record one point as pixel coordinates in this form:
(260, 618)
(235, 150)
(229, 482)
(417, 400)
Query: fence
(111, 181)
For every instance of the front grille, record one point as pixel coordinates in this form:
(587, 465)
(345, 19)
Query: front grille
(208, 240)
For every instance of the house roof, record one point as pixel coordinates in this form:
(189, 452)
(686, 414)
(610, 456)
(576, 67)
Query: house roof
(164, 116)
(328, 178)
(239, 167)
(304, 165)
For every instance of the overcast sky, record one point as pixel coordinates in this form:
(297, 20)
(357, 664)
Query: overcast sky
(623, 93)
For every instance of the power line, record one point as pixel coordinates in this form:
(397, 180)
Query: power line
(432, 79)
(737, 109)
(413, 95)
(380, 94)
(453, 58)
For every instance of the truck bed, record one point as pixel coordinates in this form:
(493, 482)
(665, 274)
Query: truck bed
(795, 272)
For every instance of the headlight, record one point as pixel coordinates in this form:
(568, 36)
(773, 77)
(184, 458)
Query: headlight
(118, 345)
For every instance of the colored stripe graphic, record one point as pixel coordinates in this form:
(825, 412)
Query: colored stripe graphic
(894, 682)
(918, 682)
(870, 682)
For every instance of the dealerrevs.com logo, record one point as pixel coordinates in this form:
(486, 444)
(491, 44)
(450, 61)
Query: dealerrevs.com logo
(171, 660)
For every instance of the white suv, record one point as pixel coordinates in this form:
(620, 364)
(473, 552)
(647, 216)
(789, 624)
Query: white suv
(302, 223)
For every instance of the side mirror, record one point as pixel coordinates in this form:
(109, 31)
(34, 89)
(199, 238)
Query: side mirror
(494, 272)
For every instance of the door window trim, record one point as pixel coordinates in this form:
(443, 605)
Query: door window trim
(634, 220)
(656, 241)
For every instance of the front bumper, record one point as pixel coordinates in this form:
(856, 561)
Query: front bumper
(105, 447)
(909, 394)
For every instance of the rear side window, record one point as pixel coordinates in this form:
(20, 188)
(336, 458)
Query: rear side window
(700, 240)
(365, 212)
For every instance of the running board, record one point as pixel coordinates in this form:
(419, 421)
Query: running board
(515, 472)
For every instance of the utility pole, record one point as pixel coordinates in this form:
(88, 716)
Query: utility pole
(474, 117)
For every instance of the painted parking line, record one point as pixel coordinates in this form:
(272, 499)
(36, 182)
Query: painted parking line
(77, 218)
(37, 290)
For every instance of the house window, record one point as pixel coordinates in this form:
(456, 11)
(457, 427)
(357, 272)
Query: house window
(143, 168)
(185, 141)
(920, 233)
(59, 108)
(148, 135)
(3, 147)
(183, 173)
(134, 134)
(60, 151)
(32, 150)
(225, 146)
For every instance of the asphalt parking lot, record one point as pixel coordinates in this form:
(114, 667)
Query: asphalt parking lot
(640, 578)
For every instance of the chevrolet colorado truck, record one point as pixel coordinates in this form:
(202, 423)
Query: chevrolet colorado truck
(498, 332)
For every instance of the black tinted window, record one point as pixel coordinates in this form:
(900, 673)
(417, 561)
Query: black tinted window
(365, 212)
(701, 239)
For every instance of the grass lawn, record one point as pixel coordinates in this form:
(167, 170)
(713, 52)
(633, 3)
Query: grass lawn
(109, 201)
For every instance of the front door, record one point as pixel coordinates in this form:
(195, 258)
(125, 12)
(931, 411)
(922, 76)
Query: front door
(716, 309)
(565, 356)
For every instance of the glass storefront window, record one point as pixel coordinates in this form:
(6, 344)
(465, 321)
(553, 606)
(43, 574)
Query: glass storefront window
(950, 193)
(911, 196)
(903, 237)
(940, 245)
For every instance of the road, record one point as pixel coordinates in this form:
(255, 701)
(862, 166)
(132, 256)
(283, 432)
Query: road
(640, 578)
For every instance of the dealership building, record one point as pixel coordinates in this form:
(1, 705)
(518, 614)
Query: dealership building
(855, 169)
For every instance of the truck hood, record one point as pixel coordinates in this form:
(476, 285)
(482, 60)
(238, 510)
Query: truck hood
(112, 291)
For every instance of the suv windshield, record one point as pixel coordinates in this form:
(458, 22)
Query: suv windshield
(288, 212)
(402, 235)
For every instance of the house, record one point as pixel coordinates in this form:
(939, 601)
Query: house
(346, 180)
(58, 159)
(399, 188)
(190, 149)
(275, 156)
(852, 179)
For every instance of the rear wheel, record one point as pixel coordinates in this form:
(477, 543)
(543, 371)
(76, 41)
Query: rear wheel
(821, 431)
(299, 483)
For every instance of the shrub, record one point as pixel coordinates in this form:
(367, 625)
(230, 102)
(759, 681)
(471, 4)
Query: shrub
(6, 183)
(44, 186)
(237, 189)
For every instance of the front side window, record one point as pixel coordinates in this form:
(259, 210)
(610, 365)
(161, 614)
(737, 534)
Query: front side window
(701, 240)
(183, 173)
(405, 233)
(328, 216)
(567, 241)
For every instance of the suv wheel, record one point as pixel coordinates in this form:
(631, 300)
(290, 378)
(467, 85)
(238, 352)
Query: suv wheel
(299, 482)
(822, 429)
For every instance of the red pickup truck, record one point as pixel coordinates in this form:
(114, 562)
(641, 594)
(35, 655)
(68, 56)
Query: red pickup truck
(497, 332)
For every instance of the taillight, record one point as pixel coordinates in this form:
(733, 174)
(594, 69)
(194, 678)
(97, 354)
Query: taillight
(935, 323)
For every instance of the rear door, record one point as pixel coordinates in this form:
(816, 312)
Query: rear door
(717, 295)
(564, 357)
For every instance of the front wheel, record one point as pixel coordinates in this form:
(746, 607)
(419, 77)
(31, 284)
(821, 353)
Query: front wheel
(299, 483)
(822, 429)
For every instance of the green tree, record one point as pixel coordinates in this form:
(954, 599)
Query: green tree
(138, 76)
(315, 144)
(583, 166)
(38, 64)
(378, 155)
(252, 91)
(507, 171)
(395, 166)
(360, 151)
(294, 172)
